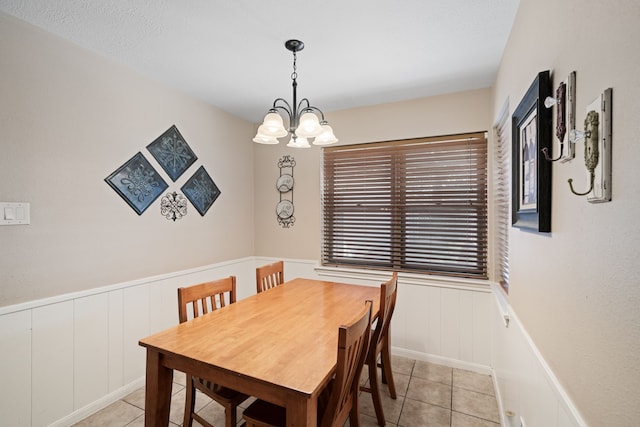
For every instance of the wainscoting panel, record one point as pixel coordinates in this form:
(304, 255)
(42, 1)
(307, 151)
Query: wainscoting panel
(115, 338)
(15, 369)
(51, 363)
(412, 319)
(136, 326)
(90, 349)
(481, 334)
(525, 385)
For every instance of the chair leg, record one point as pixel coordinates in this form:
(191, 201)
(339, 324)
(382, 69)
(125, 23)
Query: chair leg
(375, 390)
(230, 416)
(189, 403)
(354, 413)
(387, 373)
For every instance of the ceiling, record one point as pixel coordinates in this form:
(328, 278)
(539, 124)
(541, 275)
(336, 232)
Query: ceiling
(230, 53)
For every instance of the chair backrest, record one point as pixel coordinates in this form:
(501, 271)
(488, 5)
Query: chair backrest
(353, 342)
(205, 297)
(269, 276)
(388, 293)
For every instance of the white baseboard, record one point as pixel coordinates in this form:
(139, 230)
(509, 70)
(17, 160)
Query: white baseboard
(452, 363)
(99, 404)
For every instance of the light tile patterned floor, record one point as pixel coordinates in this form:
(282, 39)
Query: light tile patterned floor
(428, 395)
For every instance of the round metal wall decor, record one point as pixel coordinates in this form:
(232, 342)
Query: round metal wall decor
(173, 206)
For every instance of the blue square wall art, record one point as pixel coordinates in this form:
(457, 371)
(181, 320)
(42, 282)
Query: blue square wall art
(201, 190)
(172, 153)
(137, 182)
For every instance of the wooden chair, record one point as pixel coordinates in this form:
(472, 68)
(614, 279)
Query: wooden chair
(201, 299)
(379, 346)
(269, 276)
(339, 400)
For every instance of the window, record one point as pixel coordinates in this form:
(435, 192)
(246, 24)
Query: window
(412, 205)
(501, 198)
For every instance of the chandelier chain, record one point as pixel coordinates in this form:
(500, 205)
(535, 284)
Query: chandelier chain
(294, 75)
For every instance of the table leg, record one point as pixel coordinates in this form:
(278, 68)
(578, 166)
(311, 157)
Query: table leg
(302, 412)
(157, 391)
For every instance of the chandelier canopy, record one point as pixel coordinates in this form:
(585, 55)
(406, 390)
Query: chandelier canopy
(306, 122)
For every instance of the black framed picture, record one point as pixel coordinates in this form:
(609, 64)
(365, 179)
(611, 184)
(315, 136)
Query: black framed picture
(201, 190)
(172, 152)
(531, 172)
(137, 182)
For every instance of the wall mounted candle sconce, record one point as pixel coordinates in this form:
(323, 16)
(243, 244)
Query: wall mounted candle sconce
(597, 138)
(565, 118)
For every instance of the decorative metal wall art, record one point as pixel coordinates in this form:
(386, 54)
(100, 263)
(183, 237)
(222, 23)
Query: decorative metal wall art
(565, 118)
(172, 153)
(173, 206)
(284, 185)
(137, 182)
(201, 190)
(597, 138)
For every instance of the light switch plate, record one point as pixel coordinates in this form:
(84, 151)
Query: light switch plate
(15, 213)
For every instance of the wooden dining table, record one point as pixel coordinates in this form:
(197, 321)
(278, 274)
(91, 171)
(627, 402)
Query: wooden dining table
(279, 345)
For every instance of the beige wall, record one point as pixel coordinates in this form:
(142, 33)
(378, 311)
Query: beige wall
(69, 118)
(577, 290)
(440, 115)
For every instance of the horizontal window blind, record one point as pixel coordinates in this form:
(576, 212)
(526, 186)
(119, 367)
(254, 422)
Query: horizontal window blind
(501, 199)
(412, 205)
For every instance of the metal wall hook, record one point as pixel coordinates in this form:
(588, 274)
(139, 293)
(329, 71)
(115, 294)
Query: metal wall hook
(570, 181)
(591, 151)
(547, 157)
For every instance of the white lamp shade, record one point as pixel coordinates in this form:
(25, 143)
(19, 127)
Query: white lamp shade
(272, 131)
(298, 143)
(326, 137)
(264, 139)
(272, 126)
(309, 126)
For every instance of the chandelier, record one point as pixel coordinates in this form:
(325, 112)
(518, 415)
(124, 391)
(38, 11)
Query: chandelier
(304, 123)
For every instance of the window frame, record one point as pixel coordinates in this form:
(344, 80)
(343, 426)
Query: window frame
(399, 254)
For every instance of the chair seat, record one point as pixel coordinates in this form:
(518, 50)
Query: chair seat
(262, 414)
(222, 393)
(265, 414)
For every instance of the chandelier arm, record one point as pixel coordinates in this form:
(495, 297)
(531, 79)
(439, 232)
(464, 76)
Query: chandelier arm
(310, 107)
(286, 107)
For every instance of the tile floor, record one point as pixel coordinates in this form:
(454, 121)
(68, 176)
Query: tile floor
(428, 395)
